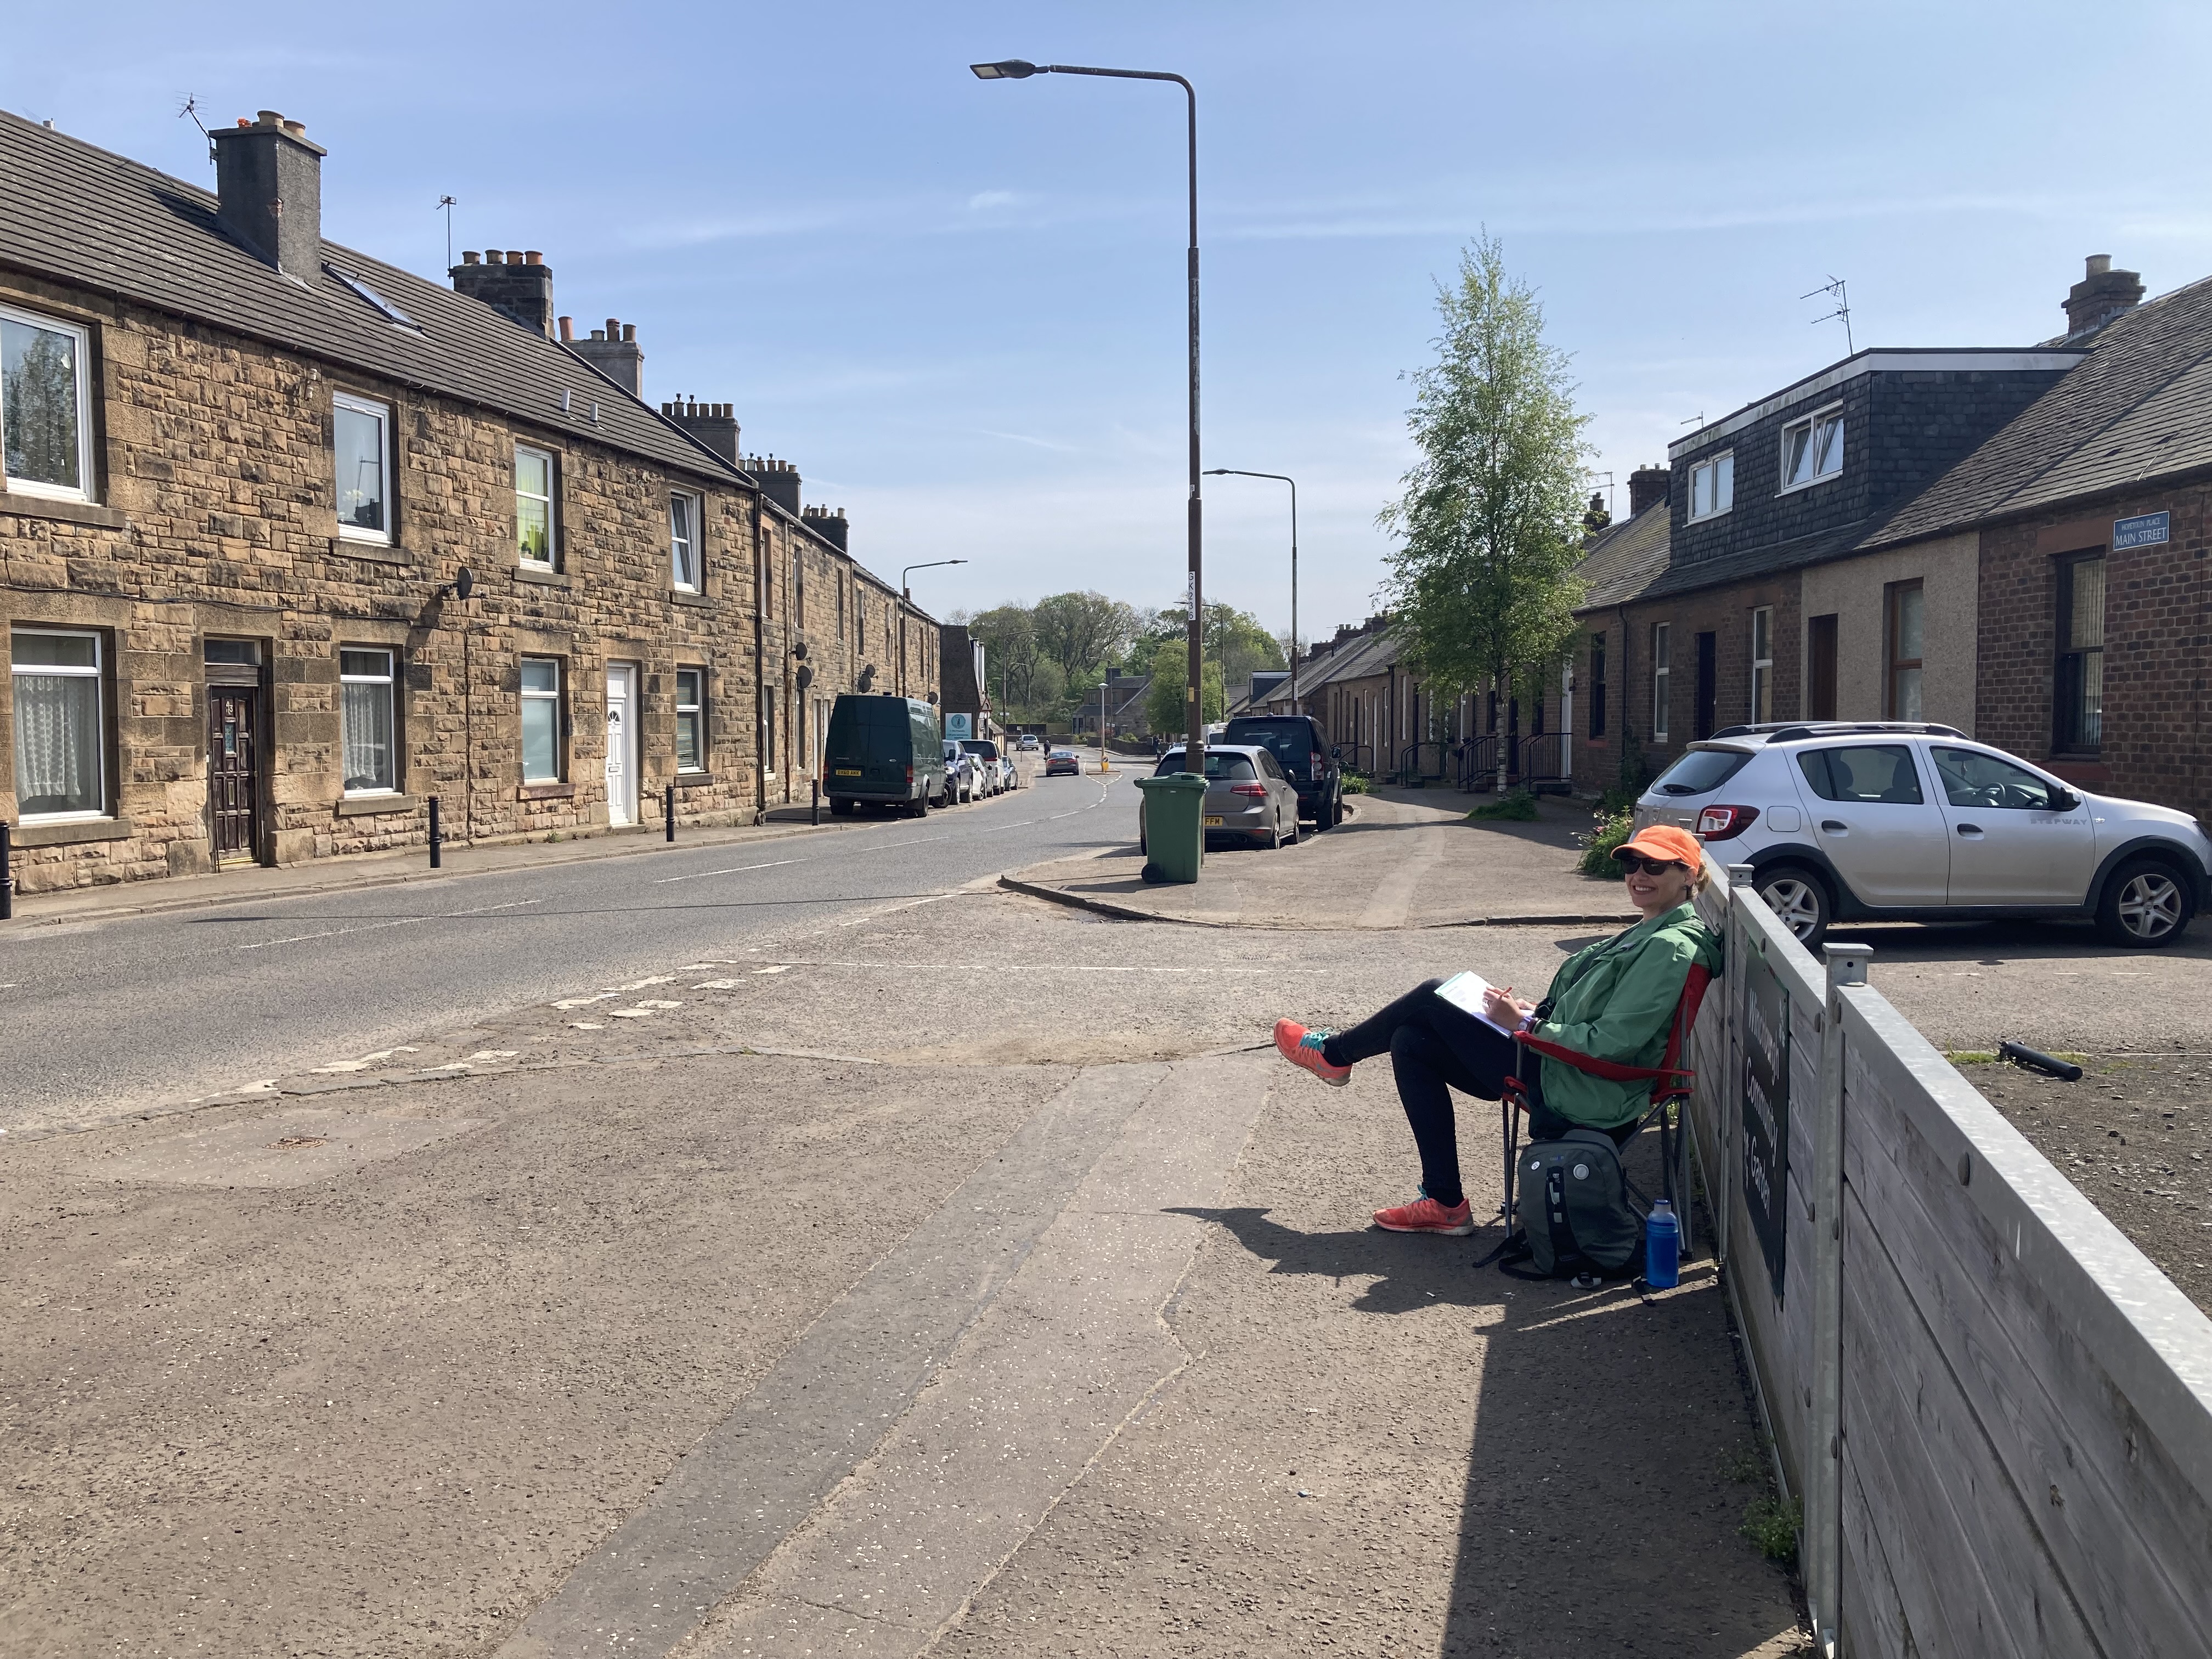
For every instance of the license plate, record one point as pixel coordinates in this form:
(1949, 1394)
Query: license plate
(1212, 823)
(848, 771)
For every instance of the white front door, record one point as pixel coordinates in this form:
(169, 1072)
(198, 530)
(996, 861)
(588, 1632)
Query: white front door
(622, 744)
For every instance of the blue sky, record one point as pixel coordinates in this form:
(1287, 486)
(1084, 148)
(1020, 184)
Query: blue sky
(957, 306)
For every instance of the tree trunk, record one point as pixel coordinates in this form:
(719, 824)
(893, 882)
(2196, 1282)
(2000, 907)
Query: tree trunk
(1505, 692)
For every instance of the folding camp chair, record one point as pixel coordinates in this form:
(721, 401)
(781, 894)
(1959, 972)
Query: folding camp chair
(1669, 1100)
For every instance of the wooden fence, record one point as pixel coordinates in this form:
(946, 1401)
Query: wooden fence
(1996, 1412)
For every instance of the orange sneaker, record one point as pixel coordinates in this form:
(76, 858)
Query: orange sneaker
(1425, 1215)
(1302, 1049)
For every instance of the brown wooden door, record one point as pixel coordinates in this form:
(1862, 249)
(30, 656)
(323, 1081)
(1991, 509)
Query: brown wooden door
(235, 771)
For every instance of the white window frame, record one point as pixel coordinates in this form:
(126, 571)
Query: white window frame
(1762, 663)
(552, 559)
(1663, 672)
(1811, 424)
(768, 731)
(382, 413)
(554, 696)
(97, 674)
(697, 710)
(390, 681)
(682, 548)
(1719, 473)
(35, 487)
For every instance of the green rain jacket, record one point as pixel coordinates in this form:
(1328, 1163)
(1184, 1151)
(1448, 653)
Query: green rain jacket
(1616, 1000)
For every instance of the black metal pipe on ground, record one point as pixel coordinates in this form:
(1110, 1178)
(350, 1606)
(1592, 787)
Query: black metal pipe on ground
(435, 859)
(2035, 1060)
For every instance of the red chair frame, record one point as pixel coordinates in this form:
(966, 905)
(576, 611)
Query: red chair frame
(1514, 1099)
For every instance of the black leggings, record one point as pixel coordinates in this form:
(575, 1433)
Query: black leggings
(1435, 1047)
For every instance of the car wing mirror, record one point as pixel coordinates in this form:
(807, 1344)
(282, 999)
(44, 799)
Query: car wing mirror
(2064, 800)
(1336, 751)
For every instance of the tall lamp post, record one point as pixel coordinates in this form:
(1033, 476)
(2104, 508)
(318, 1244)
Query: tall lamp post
(1283, 477)
(1013, 69)
(906, 592)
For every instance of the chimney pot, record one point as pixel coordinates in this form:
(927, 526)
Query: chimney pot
(514, 256)
(614, 329)
(243, 122)
(599, 334)
(297, 129)
(532, 256)
(521, 291)
(568, 329)
(268, 118)
(2099, 263)
(494, 257)
(629, 333)
(470, 258)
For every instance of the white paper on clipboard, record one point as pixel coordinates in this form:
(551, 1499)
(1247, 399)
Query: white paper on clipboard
(1466, 992)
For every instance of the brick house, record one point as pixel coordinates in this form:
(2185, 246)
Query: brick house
(244, 471)
(1713, 629)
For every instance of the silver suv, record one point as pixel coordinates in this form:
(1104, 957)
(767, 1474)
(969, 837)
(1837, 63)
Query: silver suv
(1891, 822)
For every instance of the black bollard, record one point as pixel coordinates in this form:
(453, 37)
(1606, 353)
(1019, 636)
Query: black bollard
(818, 803)
(668, 808)
(435, 859)
(7, 875)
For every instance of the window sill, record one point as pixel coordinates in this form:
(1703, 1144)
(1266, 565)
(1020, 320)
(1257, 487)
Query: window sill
(539, 577)
(382, 552)
(47, 506)
(688, 596)
(545, 792)
(368, 806)
(693, 779)
(1809, 483)
(71, 832)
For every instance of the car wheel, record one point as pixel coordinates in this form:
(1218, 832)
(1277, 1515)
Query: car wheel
(1799, 901)
(2144, 906)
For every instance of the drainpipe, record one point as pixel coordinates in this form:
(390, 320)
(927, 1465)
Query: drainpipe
(760, 658)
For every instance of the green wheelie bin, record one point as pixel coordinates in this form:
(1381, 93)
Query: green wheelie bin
(1175, 830)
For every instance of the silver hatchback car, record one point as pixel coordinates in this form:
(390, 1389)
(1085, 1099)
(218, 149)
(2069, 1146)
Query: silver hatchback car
(1901, 821)
(1247, 795)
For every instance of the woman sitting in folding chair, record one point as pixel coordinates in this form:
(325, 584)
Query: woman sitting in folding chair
(1615, 1001)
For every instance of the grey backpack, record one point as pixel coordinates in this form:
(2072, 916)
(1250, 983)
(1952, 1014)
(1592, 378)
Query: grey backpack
(1573, 1210)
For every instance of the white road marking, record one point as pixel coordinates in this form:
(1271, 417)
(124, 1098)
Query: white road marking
(735, 870)
(399, 921)
(650, 979)
(778, 969)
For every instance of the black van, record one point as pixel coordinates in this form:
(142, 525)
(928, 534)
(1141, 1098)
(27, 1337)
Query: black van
(882, 751)
(1305, 756)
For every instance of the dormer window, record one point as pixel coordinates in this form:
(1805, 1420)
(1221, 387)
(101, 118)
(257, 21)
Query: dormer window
(1712, 487)
(1813, 448)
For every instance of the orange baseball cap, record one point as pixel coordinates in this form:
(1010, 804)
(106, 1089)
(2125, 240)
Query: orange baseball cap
(1663, 841)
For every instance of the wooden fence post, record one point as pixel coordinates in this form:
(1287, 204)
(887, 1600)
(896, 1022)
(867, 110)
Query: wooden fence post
(1824, 1486)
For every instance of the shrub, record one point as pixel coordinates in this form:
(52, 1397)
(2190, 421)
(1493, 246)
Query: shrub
(1354, 784)
(1772, 1525)
(1519, 807)
(1612, 828)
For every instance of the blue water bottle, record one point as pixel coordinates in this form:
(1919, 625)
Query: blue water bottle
(1663, 1248)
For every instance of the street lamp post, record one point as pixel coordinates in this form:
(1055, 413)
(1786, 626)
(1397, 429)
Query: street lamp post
(1238, 472)
(1014, 69)
(906, 592)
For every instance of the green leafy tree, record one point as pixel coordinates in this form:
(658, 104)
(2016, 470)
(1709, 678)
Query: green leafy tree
(1491, 522)
(1163, 698)
(1013, 655)
(1236, 641)
(1079, 631)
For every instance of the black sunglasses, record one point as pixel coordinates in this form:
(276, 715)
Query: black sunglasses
(1650, 866)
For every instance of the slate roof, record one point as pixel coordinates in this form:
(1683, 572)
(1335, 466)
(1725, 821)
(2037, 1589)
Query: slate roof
(76, 214)
(1355, 658)
(2134, 408)
(1624, 560)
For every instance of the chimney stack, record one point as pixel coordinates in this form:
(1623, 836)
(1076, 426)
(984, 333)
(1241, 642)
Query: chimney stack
(269, 187)
(779, 481)
(616, 354)
(518, 285)
(2101, 295)
(1648, 486)
(714, 425)
(828, 525)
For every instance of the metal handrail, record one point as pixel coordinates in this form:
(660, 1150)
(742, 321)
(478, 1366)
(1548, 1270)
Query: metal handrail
(1410, 769)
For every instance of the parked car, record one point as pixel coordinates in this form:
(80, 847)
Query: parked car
(961, 781)
(1063, 761)
(882, 750)
(1248, 796)
(1306, 756)
(1891, 821)
(987, 765)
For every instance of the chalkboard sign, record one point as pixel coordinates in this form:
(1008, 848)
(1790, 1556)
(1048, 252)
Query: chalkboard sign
(1766, 1110)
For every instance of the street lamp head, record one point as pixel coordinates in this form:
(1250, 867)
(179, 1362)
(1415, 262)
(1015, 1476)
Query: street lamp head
(1216, 472)
(1012, 70)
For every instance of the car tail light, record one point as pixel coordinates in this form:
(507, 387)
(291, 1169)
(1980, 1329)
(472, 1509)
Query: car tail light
(1257, 791)
(909, 772)
(1724, 823)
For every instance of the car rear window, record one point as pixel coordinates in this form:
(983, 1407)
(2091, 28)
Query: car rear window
(979, 746)
(1221, 766)
(1701, 771)
(1291, 741)
(1882, 774)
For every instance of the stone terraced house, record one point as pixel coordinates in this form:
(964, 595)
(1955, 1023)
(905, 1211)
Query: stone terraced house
(292, 541)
